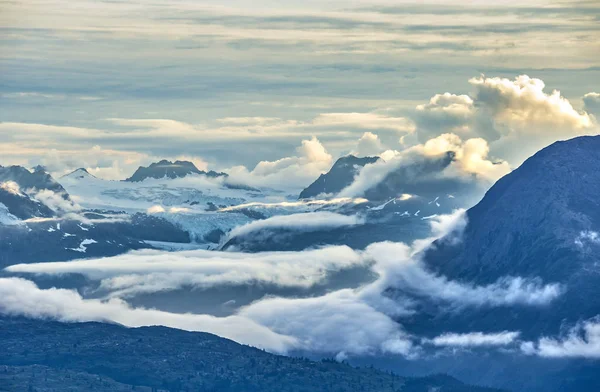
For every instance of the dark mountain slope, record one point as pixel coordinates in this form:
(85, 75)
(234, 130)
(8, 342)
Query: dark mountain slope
(37, 179)
(22, 206)
(542, 220)
(536, 221)
(176, 360)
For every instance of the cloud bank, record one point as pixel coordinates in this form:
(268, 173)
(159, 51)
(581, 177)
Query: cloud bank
(310, 221)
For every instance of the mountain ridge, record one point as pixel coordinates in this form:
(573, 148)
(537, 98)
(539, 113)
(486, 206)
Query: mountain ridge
(165, 168)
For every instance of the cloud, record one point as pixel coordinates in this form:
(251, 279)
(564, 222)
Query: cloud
(361, 121)
(368, 145)
(23, 298)
(336, 322)
(284, 207)
(581, 341)
(402, 270)
(431, 162)
(56, 201)
(155, 271)
(310, 221)
(292, 173)
(450, 112)
(503, 113)
(522, 112)
(475, 339)
(361, 321)
(591, 102)
(12, 188)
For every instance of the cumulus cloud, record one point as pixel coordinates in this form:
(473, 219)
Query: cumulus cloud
(154, 271)
(368, 145)
(446, 111)
(310, 221)
(583, 340)
(505, 113)
(475, 339)
(293, 173)
(522, 112)
(443, 157)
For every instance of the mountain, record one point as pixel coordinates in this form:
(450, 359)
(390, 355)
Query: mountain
(93, 234)
(540, 222)
(21, 205)
(37, 179)
(79, 174)
(170, 169)
(105, 357)
(340, 175)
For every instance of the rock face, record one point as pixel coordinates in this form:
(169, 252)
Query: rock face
(158, 358)
(170, 169)
(340, 175)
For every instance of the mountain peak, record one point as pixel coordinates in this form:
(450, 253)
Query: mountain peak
(340, 175)
(165, 168)
(79, 174)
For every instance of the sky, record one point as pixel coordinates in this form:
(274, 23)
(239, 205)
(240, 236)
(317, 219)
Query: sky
(260, 87)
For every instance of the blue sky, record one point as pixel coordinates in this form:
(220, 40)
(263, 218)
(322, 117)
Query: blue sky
(233, 83)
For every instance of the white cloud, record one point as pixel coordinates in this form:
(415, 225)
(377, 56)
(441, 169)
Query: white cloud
(55, 201)
(11, 187)
(310, 221)
(449, 112)
(368, 145)
(583, 340)
(523, 113)
(506, 113)
(402, 270)
(470, 159)
(23, 298)
(336, 322)
(291, 173)
(475, 339)
(351, 321)
(154, 271)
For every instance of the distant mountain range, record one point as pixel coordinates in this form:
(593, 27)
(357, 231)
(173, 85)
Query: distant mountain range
(168, 169)
(110, 357)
